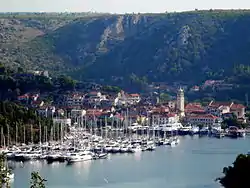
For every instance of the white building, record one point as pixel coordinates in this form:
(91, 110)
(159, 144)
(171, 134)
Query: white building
(162, 119)
(77, 113)
(74, 100)
(63, 121)
(209, 120)
(46, 111)
(127, 99)
(180, 102)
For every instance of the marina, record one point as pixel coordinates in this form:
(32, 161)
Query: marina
(81, 144)
(197, 161)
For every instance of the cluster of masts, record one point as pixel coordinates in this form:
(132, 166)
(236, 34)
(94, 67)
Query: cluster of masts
(82, 143)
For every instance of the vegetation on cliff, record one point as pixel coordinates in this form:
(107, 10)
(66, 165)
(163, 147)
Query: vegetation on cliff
(132, 50)
(236, 176)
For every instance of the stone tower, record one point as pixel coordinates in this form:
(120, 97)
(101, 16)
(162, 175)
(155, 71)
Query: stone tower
(180, 102)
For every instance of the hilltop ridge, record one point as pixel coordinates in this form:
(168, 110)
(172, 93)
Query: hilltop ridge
(190, 46)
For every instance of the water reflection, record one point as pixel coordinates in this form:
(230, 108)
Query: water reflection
(81, 169)
(175, 167)
(137, 156)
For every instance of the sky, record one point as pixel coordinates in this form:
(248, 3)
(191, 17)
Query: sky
(118, 6)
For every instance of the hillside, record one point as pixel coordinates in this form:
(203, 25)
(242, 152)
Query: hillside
(189, 46)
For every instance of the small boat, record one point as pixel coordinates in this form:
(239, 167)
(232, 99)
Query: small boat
(172, 142)
(124, 149)
(177, 140)
(151, 147)
(204, 130)
(185, 130)
(166, 141)
(143, 148)
(100, 156)
(80, 157)
(116, 148)
(53, 157)
(194, 130)
(108, 148)
(136, 148)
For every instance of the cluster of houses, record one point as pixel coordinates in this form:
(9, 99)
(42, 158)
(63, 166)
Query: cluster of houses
(68, 108)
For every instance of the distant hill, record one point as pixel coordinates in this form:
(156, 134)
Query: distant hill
(188, 46)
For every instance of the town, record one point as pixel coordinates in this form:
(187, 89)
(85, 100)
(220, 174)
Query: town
(89, 125)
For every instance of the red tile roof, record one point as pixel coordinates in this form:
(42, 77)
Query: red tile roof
(218, 104)
(207, 116)
(134, 95)
(194, 107)
(237, 106)
(171, 115)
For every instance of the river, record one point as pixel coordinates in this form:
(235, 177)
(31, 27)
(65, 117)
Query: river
(194, 163)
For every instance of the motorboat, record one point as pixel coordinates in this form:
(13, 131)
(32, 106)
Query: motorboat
(151, 147)
(108, 148)
(185, 130)
(124, 149)
(166, 141)
(194, 130)
(204, 130)
(80, 157)
(136, 148)
(116, 148)
(53, 157)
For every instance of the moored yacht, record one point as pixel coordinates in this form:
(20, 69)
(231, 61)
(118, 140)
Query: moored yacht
(116, 148)
(194, 130)
(136, 148)
(124, 148)
(185, 130)
(80, 156)
(54, 156)
(108, 148)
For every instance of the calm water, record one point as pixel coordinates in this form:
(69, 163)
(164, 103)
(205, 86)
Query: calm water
(194, 163)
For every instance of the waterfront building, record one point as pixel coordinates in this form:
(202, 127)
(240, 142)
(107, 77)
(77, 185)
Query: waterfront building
(208, 120)
(164, 118)
(238, 110)
(220, 108)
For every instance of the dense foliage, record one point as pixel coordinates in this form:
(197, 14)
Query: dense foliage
(237, 175)
(4, 172)
(37, 181)
(16, 82)
(133, 50)
(21, 125)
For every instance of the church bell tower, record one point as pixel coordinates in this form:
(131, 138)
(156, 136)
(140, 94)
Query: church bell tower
(180, 102)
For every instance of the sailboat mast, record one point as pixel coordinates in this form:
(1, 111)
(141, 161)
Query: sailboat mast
(16, 134)
(8, 130)
(2, 137)
(40, 133)
(24, 136)
(31, 131)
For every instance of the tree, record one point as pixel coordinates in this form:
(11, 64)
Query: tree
(4, 173)
(237, 175)
(37, 181)
(164, 97)
(232, 122)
